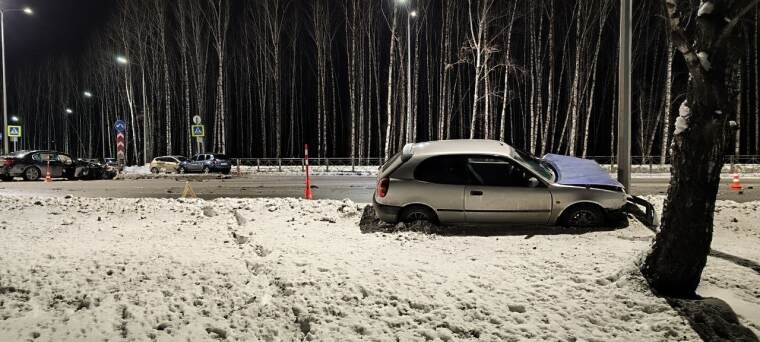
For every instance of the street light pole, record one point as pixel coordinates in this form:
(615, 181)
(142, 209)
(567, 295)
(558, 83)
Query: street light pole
(28, 11)
(409, 134)
(5, 90)
(624, 97)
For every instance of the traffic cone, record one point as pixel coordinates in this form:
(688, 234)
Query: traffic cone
(48, 176)
(735, 183)
(188, 191)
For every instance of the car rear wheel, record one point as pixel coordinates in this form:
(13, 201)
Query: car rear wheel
(154, 171)
(181, 170)
(32, 174)
(583, 215)
(418, 213)
(206, 169)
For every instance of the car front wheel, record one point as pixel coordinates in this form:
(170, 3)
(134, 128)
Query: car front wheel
(32, 174)
(584, 215)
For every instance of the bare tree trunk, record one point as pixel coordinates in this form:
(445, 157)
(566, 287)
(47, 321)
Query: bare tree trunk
(675, 262)
(392, 53)
(668, 105)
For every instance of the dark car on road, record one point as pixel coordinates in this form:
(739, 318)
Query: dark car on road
(206, 163)
(33, 165)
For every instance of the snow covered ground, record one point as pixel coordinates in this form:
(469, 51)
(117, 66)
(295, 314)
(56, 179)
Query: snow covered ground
(78, 269)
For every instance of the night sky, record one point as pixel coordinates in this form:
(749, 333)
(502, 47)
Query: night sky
(57, 27)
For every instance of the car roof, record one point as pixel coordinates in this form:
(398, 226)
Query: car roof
(463, 146)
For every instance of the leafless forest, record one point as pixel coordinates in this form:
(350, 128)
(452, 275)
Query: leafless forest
(268, 76)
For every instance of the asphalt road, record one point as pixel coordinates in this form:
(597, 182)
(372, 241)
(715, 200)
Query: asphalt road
(356, 188)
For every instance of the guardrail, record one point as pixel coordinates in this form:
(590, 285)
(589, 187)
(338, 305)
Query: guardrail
(249, 165)
(639, 164)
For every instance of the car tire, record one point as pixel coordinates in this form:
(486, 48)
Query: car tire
(206, 169)
(417, 213)
(181, 170)
(154, 171)
(32, 174)
(583, 216)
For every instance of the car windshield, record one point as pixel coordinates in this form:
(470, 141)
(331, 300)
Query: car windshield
(536, 165)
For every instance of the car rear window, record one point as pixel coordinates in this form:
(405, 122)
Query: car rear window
(220, 156)
(391, 161)
(443, 170)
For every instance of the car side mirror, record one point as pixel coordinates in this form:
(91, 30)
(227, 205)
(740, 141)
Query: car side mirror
(533, 182)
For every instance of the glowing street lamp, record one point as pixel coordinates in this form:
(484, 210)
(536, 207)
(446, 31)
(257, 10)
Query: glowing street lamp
(87, 94)
(69, 111)
(122, 60)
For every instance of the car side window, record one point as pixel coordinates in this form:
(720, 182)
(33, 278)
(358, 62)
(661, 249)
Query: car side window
(492, 171)
(64, 159)
(44, 157)
(208, 157)
(443, 170)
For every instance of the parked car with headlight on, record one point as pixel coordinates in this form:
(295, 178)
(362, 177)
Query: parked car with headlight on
(206, 163)
(33, 165)
(485, 181)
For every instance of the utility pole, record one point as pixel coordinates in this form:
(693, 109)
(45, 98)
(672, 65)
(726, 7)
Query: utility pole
(409, 114)
(624, 97)
(27, 11)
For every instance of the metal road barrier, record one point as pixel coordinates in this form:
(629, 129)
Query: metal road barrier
(639, 164)
(252, 165)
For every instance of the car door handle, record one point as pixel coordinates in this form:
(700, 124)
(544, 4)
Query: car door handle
(476, 193)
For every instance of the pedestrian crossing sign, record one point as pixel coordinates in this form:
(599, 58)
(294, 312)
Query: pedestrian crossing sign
(199, 131)
(14, 131)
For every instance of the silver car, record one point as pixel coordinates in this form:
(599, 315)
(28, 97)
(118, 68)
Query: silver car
(485, 181)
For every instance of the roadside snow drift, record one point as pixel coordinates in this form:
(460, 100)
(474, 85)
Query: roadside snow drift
(76, 269)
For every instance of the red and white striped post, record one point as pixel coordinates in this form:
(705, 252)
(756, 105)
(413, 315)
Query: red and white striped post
(307, 193)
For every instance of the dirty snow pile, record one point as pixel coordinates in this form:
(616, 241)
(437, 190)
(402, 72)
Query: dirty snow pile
(137, 170)
(77, 269)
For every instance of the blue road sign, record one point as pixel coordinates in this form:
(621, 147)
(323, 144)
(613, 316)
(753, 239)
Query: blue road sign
(14, 131)
(120, 126)
(198, 131)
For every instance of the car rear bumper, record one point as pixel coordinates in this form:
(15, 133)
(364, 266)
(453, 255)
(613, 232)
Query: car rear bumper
(386, 213)
(11, 171)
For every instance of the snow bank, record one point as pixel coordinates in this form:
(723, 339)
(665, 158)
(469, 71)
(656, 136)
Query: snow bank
(136, 170)
(74, 269)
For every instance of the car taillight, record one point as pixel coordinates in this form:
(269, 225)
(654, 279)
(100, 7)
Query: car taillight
(382, 187)
(9, 162)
